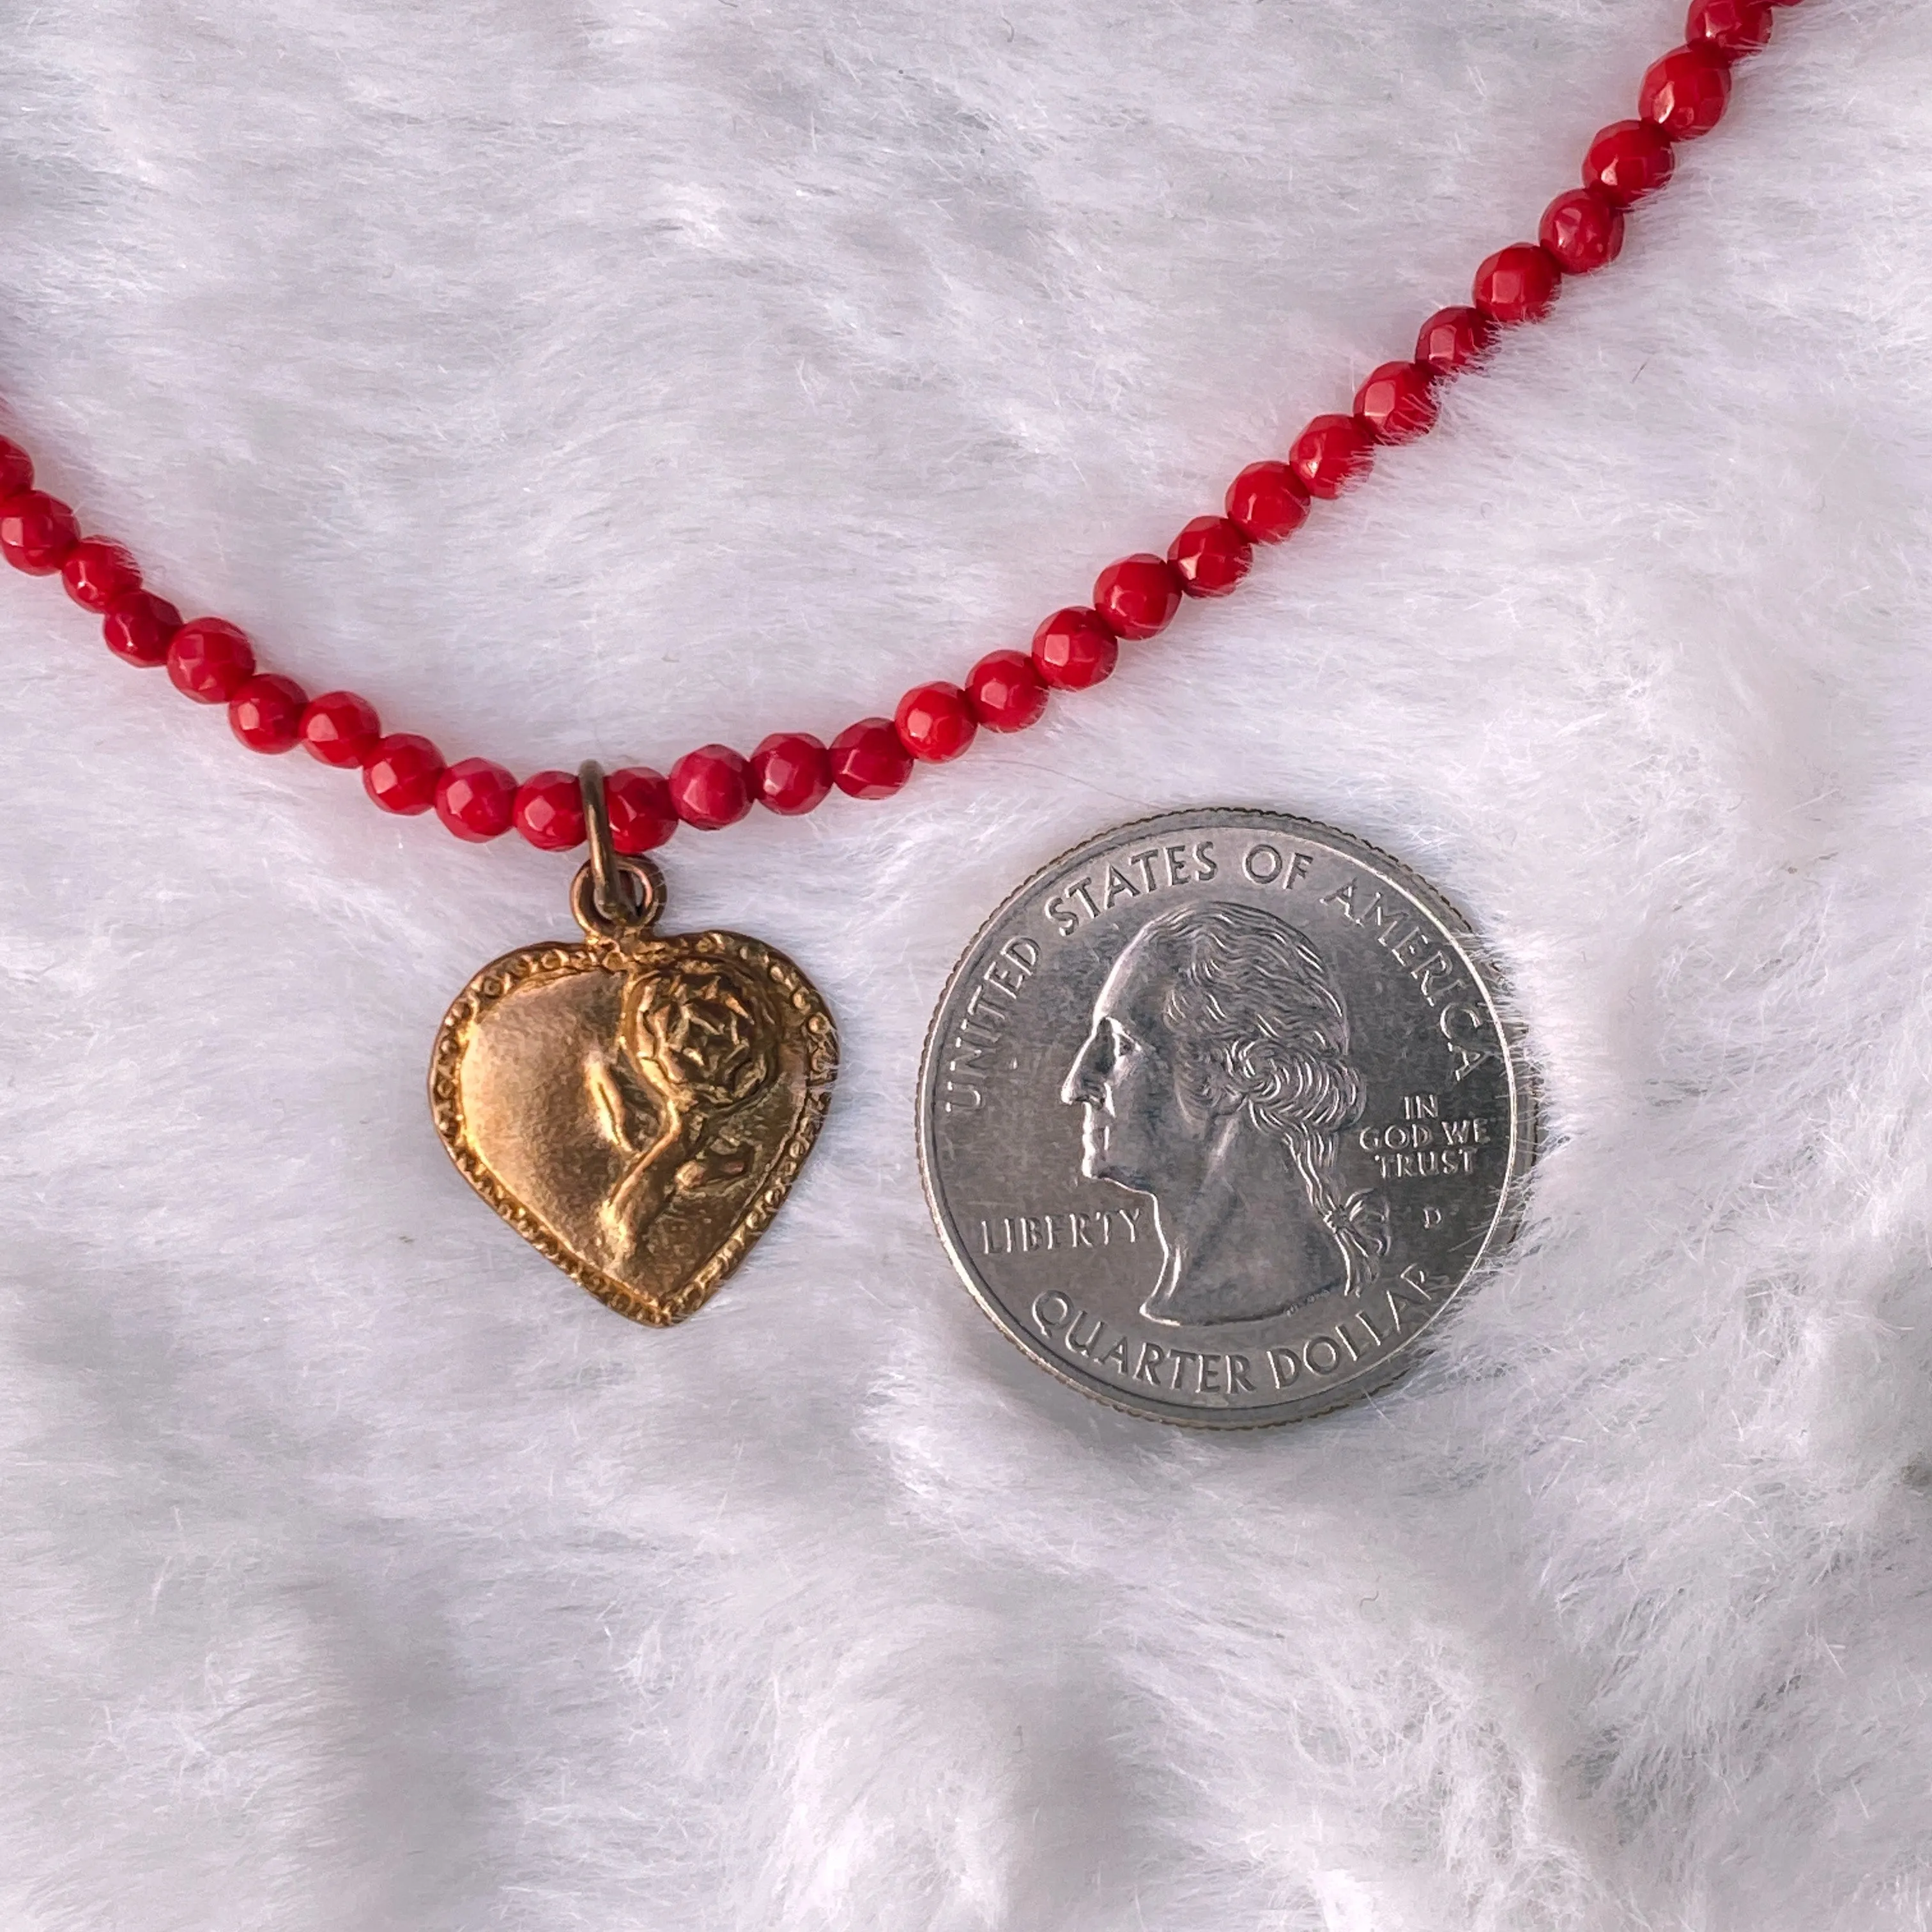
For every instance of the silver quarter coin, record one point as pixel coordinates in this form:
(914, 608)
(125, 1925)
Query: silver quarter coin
(1218, 1115)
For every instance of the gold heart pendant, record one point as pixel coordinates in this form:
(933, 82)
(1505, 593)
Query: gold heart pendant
(637, 1107)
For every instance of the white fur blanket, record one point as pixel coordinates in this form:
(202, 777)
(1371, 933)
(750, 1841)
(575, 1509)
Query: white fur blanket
(603, 377)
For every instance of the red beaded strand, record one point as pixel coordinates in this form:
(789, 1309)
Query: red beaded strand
(791, 772)
(99, 573)
(138, 627)
(1683, 95)
(711, 787)
(1007, 691)
(476, 799)
(1210, 557)
(1735, 28)
(1627, 160)
(1452, 339)
(1269, 501)
(548, 810)
(1331, 453)
(36, 531)
(1397, 403)
(266, 714)
(1137, 598)
(341, 729)
(1073, 649)
(1582, 231)
(210, 660)
(638, 802)
(936, 722)
(403, 773)
(869, 759)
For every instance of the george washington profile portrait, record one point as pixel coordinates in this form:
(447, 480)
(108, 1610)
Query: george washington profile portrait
(1216, 1077)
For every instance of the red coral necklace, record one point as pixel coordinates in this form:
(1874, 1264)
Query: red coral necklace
(656, 1039)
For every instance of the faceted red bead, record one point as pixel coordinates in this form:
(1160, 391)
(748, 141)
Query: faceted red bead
(1397, 403)
(549, 811)
(1452, 338)
(1211, 555)
(935, 722)
(98, 573)
(869, 759)
(1517, 283)
(1582, 230)
(476, 800)
(1684, 94)
(637, 801)
(1735, 28)
(266, 712)
(341, 729)
(1268, 501)
(402, 773)
(791, 772)
(36, 531)
(1138, 596)
(138, 628)
(1331, 453)
(210, 660)
(1007, 691)
(1627, 160)
(16, 469)
(1073, 649)
(711, 787)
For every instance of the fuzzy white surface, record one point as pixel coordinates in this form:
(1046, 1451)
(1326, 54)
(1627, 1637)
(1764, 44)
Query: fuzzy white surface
(603, 378)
